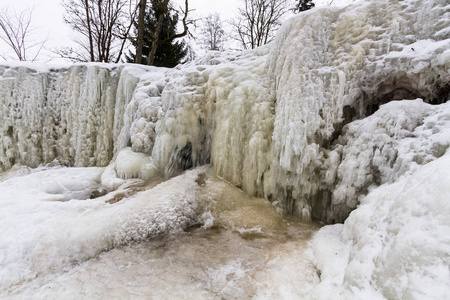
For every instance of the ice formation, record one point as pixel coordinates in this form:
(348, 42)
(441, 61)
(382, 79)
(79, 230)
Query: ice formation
(268, 120)
(395, 245)
(346, 107)
(347, 62)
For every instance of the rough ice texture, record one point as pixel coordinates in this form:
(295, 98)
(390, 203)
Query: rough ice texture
(395, 245)
(270, 120)
(72, 115)
(46, 230)
(347, 62)
(395, 141)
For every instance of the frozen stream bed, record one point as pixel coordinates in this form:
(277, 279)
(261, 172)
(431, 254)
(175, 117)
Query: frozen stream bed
(200, 264)
(234, 246)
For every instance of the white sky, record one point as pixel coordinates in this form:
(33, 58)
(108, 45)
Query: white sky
(48, 23)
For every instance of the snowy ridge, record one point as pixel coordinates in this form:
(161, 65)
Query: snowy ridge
(68, 231)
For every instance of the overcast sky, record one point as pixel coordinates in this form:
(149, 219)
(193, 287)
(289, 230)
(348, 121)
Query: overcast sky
(47, 18)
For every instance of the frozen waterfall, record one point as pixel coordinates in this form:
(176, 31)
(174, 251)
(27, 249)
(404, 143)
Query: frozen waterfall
(270, 121)
(345, 107)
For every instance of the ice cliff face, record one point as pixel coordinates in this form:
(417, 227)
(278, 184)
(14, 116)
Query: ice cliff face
(279, 121)
(64, 114)
(346, 63)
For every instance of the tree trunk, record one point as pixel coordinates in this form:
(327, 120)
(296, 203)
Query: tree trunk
(155, 43)
(140, 36)
(162, 11)
(88, 21)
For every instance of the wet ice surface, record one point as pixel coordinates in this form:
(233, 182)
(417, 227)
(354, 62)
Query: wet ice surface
(200, 264)
(236, 247)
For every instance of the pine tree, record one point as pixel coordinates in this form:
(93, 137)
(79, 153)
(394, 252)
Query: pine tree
(303, 5)
(169, 53)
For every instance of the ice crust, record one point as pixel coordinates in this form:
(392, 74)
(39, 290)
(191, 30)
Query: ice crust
(46, 230)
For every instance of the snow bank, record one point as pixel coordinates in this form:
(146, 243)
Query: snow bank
(45, 230)
(396, 244)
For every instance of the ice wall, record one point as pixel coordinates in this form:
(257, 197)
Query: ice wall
(274, 121)
(69, 114)
(347, 62)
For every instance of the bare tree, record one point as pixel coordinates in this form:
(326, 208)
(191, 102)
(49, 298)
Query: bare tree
(16, 32)
(213, 35)
(258, 20)
(100, 26)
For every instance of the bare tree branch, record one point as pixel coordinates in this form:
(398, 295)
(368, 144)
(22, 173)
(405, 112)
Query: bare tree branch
(257, 21)
(16, 32)
(100, 28)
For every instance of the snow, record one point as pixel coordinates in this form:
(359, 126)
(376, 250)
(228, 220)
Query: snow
(51, 243)
(49, 223)
(334, 116)
(394, 141)
(396, 244)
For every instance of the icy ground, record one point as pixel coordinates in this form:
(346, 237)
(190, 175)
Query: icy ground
(210, 240)
(197, 236)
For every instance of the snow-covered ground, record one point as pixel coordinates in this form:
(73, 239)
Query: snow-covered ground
(147, 243)
(157, 167)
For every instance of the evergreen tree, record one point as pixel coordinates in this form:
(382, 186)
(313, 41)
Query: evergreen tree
(169, 53)
(303, 5)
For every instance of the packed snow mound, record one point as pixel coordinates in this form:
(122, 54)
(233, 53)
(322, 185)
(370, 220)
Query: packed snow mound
(49, 223)
(269, 120)
(396, 244)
